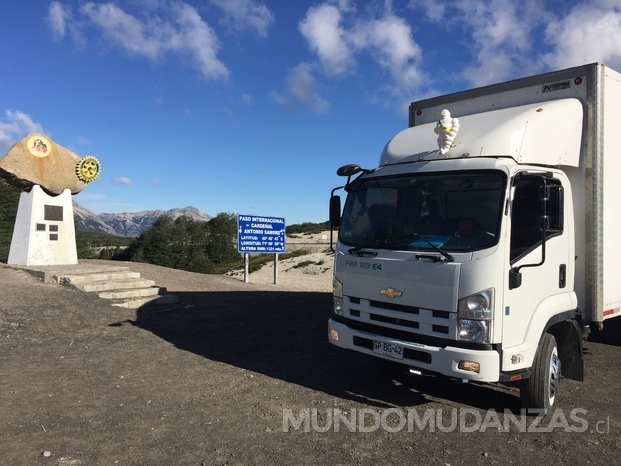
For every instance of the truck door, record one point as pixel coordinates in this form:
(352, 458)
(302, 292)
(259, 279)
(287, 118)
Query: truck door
(539, 252)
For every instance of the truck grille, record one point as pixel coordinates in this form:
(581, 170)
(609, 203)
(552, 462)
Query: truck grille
(392, 316)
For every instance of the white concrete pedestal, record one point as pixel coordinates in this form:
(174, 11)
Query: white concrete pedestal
(44, 232)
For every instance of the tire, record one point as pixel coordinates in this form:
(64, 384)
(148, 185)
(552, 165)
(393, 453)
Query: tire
(538, 393)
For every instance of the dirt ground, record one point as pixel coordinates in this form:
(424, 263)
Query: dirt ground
(244, 374)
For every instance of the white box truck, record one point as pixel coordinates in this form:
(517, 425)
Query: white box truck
(486, 243)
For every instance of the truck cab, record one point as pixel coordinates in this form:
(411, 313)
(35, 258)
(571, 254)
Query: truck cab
(459, 258)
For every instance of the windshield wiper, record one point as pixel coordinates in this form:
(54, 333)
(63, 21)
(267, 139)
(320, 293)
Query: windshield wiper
(358, 250)
(444, 254)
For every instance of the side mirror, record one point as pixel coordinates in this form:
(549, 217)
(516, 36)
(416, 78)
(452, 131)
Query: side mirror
(349, 170)
(515, 279)
(335, 211)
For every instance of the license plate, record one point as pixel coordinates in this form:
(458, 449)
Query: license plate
(388, 349)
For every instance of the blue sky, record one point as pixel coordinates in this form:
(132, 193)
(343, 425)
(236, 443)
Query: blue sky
(250, 106)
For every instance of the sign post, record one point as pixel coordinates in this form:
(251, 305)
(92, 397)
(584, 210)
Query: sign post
(262, 235)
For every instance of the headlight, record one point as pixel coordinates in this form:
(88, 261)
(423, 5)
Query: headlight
(477, 306)
(475, 314)
(476, 331)
(337, 287)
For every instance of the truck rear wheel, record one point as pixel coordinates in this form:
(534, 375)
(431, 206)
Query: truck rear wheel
(538, 393)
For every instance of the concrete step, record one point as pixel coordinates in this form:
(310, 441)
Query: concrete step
(131, 283)
(132, 293)
(53, 273)
(148, 301)
(97, 277)
(117, 283)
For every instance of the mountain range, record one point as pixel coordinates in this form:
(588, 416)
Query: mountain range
(128, 224)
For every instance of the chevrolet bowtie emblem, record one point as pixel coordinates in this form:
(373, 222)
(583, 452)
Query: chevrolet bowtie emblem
(391, 293)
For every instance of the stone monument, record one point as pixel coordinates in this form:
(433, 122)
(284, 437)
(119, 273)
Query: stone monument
(48, 174)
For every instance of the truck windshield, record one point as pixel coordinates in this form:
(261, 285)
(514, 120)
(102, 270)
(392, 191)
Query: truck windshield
(453, 211)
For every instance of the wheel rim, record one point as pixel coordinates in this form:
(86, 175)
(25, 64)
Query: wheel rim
(555, 375)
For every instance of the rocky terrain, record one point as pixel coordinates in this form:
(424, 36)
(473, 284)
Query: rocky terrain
(243, 374)
(85, 220)
(129, 224)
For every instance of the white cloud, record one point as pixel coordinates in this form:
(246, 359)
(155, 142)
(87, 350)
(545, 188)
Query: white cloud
(389, 40)
(507, 39)
(348, 6)
(122, 180)
(590, 32)
(302, 88)
(16, 126)
(242, 15)
(171, 28)
(246, 99)
(502, 37)
(433, 9)
(61, 22)
(199, 40)
(57, 18)
(126, 30)
(337, 35)
(326, 37)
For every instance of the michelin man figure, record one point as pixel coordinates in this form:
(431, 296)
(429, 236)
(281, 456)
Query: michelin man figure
(446, 129)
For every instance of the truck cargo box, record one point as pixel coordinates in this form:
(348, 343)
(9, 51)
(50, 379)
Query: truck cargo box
(595, 182)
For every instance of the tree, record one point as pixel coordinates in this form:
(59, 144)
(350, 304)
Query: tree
(156, 243)
(222, 246)
(9, 200)
(200, 262)
(187, 244)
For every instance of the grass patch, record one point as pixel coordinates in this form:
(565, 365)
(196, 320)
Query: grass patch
(256, 261)
(299, 265)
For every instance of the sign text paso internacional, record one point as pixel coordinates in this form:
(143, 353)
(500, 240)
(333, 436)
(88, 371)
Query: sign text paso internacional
(260, 234)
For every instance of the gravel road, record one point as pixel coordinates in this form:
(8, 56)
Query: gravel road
(243, 374)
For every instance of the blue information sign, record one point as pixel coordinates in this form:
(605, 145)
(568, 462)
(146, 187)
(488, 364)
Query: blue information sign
(260, 234)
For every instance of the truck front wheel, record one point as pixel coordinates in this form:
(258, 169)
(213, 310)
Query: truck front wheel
(538, 393)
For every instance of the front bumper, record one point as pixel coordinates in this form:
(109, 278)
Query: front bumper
(441, 360)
